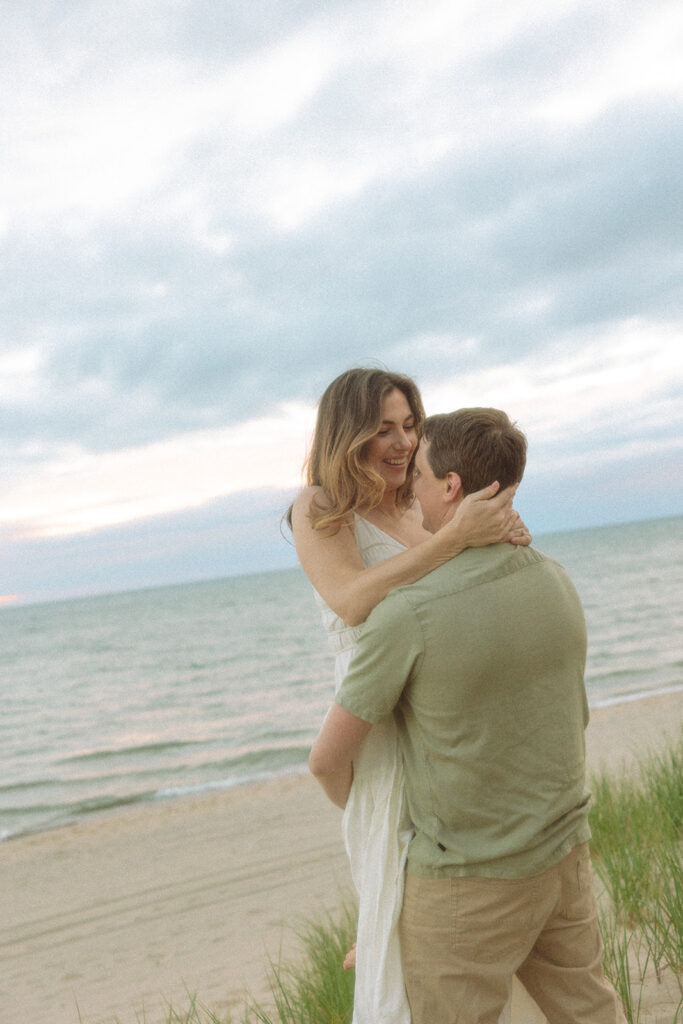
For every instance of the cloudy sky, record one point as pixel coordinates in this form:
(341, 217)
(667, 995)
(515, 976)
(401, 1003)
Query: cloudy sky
(210, 209)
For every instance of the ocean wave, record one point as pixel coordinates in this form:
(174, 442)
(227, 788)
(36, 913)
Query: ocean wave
(135, 750)
(222, 784)
(63, 806)
(28, 784)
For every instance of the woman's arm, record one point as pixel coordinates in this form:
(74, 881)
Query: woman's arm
(332, 754)
(334, 566)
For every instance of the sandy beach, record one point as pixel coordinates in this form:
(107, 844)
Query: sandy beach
(133, 909)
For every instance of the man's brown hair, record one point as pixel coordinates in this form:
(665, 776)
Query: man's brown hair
(480, 445)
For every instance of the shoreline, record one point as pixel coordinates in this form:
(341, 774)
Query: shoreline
(629, 698)
(165, 796)
(130, 909)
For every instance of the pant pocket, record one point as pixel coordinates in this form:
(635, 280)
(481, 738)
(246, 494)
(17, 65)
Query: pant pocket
(578, 895)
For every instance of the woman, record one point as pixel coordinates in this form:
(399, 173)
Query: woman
(358, 533)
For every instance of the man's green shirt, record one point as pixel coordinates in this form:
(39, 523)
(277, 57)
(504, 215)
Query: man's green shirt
(482, 664)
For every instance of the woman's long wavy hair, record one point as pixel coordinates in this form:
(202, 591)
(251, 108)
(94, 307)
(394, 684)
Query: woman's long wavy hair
(349, 415)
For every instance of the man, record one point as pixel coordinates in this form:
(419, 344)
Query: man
(481, 663)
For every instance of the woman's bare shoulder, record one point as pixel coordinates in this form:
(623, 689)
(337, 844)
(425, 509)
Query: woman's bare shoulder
(307, 498)
(311, 498)
(308, 493)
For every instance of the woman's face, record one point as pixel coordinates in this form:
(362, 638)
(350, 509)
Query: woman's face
(389, 451)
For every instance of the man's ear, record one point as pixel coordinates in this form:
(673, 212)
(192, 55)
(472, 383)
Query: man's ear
(453, 490)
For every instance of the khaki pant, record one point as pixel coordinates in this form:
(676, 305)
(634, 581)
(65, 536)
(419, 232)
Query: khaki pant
(462, 940)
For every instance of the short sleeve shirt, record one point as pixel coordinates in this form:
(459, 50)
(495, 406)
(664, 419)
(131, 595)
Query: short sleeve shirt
(482, 663)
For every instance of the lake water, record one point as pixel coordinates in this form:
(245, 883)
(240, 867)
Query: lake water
(152, 694)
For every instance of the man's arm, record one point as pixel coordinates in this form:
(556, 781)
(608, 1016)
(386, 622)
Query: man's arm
(331, 758)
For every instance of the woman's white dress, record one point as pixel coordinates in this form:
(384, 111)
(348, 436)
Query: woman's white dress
(376, 828)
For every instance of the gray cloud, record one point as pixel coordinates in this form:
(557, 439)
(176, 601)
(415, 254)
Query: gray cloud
(517, 234)
(185, 244)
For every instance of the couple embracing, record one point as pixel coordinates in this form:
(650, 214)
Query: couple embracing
(455, 744)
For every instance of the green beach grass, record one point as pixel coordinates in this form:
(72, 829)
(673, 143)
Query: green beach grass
(637, 824)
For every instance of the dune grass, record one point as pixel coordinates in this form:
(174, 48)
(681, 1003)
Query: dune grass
(318, 990)
(637, 824)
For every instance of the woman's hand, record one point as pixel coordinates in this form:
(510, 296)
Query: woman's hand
(518, 531)
(487, 517)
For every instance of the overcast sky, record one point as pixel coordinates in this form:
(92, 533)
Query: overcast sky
(210, 209)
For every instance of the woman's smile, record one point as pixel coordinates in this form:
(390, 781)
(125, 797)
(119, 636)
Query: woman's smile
(390, 450)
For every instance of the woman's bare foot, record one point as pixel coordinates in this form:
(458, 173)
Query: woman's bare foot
(350, 959)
